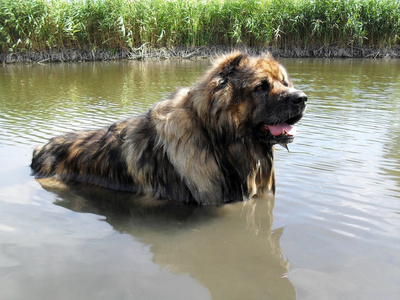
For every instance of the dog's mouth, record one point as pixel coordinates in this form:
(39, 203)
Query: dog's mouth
(282, 133)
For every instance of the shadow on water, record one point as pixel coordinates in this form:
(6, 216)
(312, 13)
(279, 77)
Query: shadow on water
(231, 250)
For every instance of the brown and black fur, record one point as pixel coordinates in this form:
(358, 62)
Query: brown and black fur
(203, 144)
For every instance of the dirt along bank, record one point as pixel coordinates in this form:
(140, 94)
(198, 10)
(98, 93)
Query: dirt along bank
(80, 55)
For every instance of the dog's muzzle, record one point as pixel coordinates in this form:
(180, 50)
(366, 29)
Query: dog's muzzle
(283, 131)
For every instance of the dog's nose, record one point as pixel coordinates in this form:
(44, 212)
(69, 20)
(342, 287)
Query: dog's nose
(298, 98)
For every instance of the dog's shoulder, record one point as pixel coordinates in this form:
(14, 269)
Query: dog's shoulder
(187, 145)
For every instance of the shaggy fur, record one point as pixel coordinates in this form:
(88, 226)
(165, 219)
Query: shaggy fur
(207, 144)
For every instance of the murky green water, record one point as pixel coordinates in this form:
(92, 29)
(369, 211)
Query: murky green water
(331, 232)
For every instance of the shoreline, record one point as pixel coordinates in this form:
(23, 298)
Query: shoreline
(81, 55)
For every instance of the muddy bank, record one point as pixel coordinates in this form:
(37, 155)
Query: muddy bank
(74, 55)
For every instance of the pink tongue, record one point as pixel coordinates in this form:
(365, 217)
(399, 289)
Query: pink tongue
(278, 129)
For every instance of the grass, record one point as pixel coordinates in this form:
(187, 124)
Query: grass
(38, 25)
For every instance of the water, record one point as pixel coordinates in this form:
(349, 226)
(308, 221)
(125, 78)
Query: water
(330, 232)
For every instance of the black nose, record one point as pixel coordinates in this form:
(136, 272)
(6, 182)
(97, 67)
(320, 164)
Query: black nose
(298, 98)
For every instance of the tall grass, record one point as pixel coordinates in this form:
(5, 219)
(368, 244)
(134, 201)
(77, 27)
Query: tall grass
(127, 24)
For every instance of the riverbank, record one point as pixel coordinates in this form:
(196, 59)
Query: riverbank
(81, 30)
(79, 55)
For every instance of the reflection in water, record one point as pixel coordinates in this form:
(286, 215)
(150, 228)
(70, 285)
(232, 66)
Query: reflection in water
(180, 236)
(40, 101)
(391, 149)
(337, 196)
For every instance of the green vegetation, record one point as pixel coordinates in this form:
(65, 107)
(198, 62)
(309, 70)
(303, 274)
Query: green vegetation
(129, 24)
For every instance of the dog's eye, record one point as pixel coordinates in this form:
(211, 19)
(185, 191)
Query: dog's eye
(285, 83)
(262, 87)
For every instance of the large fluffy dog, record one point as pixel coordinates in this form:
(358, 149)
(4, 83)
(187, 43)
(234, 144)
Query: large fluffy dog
(210, 144)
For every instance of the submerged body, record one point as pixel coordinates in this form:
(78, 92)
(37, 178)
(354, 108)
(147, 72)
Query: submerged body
(209, 144)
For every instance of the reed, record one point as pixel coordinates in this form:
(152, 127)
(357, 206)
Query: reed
(38, 25)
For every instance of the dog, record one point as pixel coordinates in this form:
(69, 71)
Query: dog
(209, 144)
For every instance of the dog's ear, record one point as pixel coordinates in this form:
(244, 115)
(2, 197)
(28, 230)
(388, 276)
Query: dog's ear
(230, 64)
(225, 68)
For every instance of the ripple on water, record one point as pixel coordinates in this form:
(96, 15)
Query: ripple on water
(336, 208)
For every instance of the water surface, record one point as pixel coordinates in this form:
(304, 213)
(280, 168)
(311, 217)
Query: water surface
(330, 232)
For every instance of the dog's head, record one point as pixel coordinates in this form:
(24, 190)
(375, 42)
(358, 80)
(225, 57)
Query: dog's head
(253, 95)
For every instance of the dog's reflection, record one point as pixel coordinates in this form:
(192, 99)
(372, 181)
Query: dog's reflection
(231, 249)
